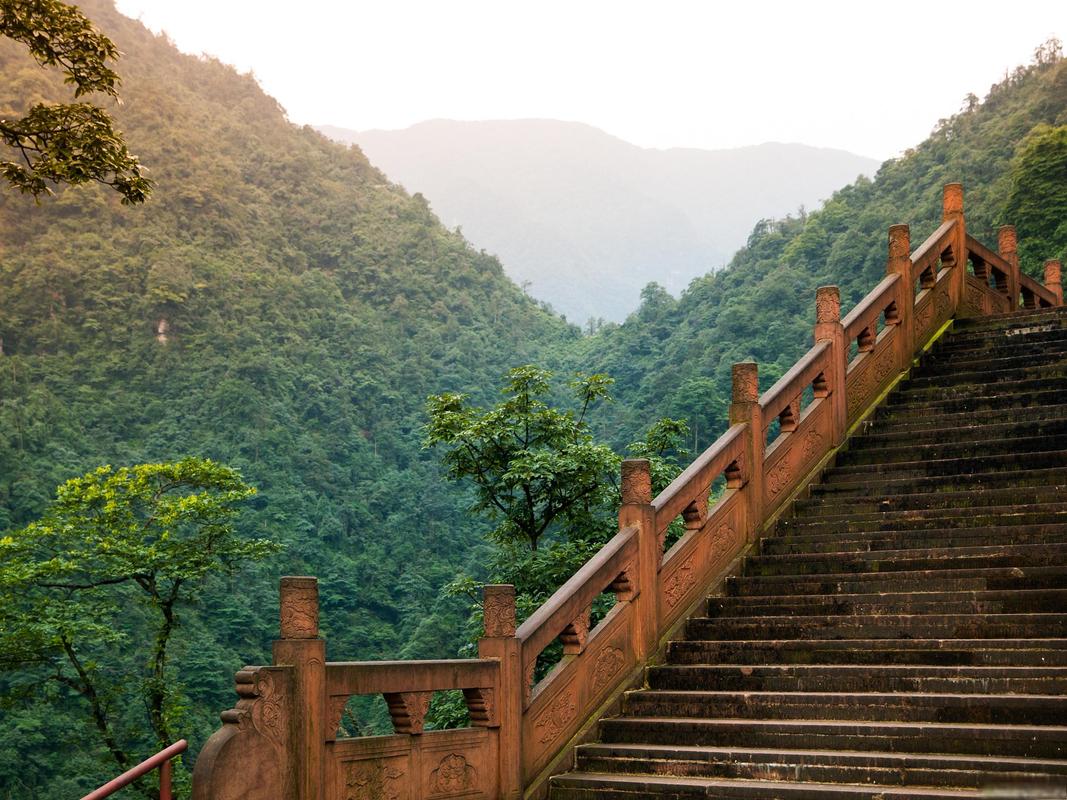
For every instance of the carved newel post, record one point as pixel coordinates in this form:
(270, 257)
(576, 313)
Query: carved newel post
(637, 510)
(899, 263)
(506, 702)
(301, 648)
(828, 329)
(952, 209)
(1008, 248)
(745, 408)
(1053, 280)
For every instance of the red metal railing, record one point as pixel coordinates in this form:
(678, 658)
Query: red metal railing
(160, 759)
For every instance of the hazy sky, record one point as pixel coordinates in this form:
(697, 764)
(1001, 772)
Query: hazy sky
(870, 77)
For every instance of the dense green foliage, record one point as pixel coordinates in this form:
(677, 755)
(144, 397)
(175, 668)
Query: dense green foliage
(71, 142)
(1037, 204)
(674, 357)
(91, 594)
(277, 306)
(281, 307)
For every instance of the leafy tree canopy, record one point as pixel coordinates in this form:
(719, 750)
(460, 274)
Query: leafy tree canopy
(66, 143)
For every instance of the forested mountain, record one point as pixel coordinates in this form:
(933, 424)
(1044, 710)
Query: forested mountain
(589, 219)
(278, 306)
(1010, 151)
(281, 307)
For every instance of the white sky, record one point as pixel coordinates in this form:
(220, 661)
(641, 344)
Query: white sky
(870, 77)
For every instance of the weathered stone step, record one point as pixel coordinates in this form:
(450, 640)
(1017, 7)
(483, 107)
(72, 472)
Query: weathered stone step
(1010, 321)
(974, 345)
(977, 389)
(976, 448)
(988, 375)
(919, 559)
(1005, 462)
(1035, 741)
(889, 769)
(892, 484)
(884, 422)
(898, 407)
(871, 541)
(1011, 601)
(972, 579)
(1004, 429)
(983, 709)
(881, 626)
(857, 678)
(1040, 652)
(599, 786)
(939, 365)
(918, 519)
(947, 497)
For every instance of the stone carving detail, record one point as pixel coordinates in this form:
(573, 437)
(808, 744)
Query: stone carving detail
(680, 583)
(636, 481)
(696, 513)
(498, 610)
(408, 710)
(481, 703)
(260, 705)
(721, 542)
(574, 636)
(974, 296)
(941, 303)
(862, 392)
(452, 776)
(778, 477)
(608, 663)
(373, 780)
(924, 315)
(528, 681)
(736, 475)
(812, 444)
(827, 304)
(554, 720)
(299, 608)
(335, 709)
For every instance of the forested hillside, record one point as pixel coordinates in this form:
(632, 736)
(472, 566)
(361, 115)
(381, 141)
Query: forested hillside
(588, 219)
(1010, 151)
(278, 306)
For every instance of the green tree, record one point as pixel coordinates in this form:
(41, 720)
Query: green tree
(73, 142)
(1037, 202)
(119, 551)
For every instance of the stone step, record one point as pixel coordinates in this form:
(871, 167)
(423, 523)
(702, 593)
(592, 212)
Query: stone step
(871, 541)
(999, 679)
(1032, 741)
(988, 374)
(980, 709)
(970, 448)
(1039, 652)
(973, 579)
(1004, 429)
(880, 626)
(898, 407)
(1018, 556)
(975, 389)
(938, 364)
(919, 518)
(1003, 463)
(884, 768)
(947, 498)
(1010, 320)
(891, 484)
(884, 422)
(598, 786)
(1010, 601)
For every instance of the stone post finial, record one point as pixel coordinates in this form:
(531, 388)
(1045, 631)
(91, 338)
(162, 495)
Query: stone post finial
(952, 201)
(827, 304)
(636, 481)
(745, 382)
(899, 243)
(1007, 241)
(498, 609)
(299, 607)
(1054, 279)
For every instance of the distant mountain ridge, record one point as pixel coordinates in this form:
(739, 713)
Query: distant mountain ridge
(589, 219)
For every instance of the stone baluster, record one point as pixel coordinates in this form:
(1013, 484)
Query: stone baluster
(899, 263)
(636, 509)
(828, 328)
(512, 690)
(952, 209)
(301, 648)
(1053, 279)
(745, 408)
(1008, 248)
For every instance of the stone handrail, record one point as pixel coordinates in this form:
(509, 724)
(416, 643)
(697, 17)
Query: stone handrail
(281, 739)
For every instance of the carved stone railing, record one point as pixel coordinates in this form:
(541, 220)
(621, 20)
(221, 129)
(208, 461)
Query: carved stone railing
(281, 741)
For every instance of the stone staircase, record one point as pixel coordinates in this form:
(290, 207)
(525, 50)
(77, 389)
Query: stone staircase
(904, 633)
